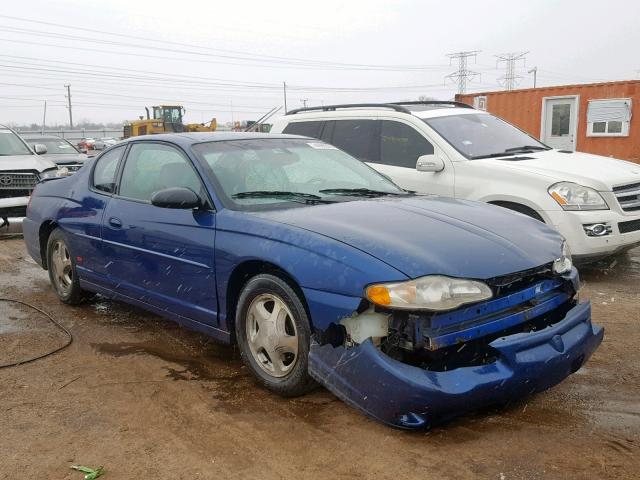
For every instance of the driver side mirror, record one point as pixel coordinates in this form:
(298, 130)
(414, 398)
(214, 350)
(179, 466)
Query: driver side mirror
(429, 163)
(40, 149)
(176, 197)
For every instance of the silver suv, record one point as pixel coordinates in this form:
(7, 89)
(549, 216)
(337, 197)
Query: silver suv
(20, 170)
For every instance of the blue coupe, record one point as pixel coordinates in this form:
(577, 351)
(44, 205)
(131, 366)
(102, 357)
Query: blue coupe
(411, 308)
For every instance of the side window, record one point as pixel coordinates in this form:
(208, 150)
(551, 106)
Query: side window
(401, 145)
(151, 167)
(104, 174)
(308, 129)
(356, 137)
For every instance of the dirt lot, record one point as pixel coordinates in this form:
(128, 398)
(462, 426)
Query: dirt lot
(148, 399)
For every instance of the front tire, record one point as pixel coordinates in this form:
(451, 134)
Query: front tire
(274, 335)
(62, 270)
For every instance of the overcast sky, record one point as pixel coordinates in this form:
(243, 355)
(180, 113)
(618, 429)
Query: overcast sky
(229, 59)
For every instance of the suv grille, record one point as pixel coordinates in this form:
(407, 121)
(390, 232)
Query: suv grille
(628, 196)
(17, 181)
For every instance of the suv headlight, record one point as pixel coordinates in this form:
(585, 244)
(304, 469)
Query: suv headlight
(433, 292)
(54, 172)
(571, 196)
(564, 263)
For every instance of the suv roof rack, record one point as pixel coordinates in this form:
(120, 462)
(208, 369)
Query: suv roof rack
(327, 108)
(435, 103)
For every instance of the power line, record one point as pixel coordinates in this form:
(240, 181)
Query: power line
(510, 79)
(463, 75)
(225, 54)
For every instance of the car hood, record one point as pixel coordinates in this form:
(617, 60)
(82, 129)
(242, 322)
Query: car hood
(64, 159)
(420, 235)
(596, 171)
(25, 162)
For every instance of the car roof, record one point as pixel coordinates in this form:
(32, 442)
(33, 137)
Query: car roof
(200, 137)
(428, 109)
(32, 136)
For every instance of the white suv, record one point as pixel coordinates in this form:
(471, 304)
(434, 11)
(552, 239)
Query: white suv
(452, 149)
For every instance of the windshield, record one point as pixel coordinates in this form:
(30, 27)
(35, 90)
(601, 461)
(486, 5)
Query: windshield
(55, 146)
(11, 144)
(481, 136)
(260, 172)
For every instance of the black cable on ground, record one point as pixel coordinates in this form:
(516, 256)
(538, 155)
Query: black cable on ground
(33, 359)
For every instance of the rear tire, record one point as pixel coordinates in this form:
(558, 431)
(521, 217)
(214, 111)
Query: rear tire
(274, 335)
(62, 270)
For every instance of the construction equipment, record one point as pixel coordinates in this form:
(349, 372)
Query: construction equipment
(166, 119)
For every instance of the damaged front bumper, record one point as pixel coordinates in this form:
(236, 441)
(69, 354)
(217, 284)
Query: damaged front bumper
(408, 396)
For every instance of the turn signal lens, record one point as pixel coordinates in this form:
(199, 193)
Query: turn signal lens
(379, 295)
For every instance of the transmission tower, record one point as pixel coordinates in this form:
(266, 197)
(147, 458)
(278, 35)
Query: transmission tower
(510, 79)
(463, 75)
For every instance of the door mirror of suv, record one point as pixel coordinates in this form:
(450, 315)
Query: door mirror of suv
(176, 197)
(40, 149)
(429, 163)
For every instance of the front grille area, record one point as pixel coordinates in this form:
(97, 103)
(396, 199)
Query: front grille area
(17, 181)
(14, 193)
(628, 196)
(630, 226)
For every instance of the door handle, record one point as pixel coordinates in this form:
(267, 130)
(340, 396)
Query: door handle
(115, 222)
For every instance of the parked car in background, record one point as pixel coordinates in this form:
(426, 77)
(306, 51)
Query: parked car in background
(105, 142)
(412, 308)
(86, 144)
(20, 170)
(59, 150)
(452, 149)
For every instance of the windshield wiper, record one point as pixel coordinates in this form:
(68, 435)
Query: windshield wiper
(357, 192)
(524, 148)
(492, 155)
(308, 198)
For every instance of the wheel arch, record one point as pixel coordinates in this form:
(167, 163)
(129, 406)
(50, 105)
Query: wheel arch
(242, 273)
(44, 232)
(519, 206)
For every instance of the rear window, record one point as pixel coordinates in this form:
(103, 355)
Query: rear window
(357, 137)
(308, 129)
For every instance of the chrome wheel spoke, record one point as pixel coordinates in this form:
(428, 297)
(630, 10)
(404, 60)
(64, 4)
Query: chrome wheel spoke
(288, 344)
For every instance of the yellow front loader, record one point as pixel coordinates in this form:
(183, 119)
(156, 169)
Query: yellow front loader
(166, 119)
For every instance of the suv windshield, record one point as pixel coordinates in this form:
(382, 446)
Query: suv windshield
(11, 144)
(55, 146)
(258, 172)
(480, 135)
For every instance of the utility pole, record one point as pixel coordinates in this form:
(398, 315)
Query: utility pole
(534, 70)
(44, 117)
(69, 106)
(284, 90)
(304, 102)
(510, 79)
(463, 75)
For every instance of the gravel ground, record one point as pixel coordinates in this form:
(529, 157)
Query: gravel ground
(149, 399)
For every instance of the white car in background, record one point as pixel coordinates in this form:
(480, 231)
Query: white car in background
(21, 168)
(452, 149)
(104, 143)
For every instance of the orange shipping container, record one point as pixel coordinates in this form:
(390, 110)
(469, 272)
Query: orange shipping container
(595, 118)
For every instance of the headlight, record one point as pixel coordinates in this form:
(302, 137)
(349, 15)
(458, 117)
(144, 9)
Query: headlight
(564, 263)
(433, 292)
(55, 172)
(571, 196)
